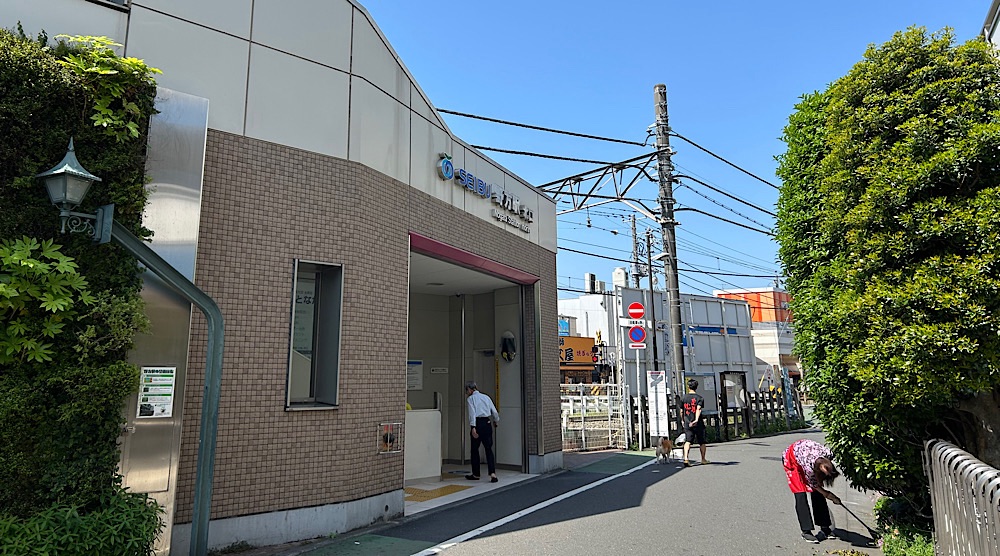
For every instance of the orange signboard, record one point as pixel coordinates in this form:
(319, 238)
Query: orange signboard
(575, 350)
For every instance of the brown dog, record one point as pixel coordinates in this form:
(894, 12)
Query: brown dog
(664, 450)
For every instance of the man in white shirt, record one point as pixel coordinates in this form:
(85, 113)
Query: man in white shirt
(481, 410)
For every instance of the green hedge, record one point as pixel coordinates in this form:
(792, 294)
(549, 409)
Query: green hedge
(126, 525)
(60, 418)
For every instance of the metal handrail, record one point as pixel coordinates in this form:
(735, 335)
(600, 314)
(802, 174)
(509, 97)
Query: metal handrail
(965, 497)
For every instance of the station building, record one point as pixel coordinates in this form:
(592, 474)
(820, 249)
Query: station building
(365, 260)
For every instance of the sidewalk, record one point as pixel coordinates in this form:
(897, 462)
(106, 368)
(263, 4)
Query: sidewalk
(427, 497)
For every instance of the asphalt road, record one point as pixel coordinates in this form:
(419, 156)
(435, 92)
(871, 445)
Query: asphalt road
(737, 505)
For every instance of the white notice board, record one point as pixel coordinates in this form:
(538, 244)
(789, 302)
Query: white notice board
(414, 375)
(659, 411)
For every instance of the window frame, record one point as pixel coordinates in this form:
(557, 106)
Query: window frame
(326, 341)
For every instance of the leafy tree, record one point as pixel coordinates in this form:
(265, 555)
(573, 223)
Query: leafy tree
(889, 231)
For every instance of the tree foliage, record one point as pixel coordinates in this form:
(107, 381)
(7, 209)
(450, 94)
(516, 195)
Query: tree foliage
(39, 291)
(889, 231)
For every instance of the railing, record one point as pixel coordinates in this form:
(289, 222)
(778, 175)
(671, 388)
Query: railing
(965, 497)
(592, 417)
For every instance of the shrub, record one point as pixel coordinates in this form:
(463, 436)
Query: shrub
(125, 525)
(904, 532)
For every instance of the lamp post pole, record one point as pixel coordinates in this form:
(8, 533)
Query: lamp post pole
(213, 377)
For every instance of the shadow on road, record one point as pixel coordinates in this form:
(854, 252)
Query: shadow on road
(855, 539)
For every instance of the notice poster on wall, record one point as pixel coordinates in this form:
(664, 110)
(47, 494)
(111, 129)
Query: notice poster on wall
(414, 375)
(156, 392)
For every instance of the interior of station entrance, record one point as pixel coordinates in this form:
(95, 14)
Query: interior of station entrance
(457, 317)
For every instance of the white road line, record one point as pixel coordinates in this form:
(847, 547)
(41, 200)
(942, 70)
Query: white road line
(439, 548)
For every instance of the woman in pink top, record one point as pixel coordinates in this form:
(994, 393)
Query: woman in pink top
(809, 468)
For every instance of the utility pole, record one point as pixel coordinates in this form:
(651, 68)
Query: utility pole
(636, 273)
(665, 171)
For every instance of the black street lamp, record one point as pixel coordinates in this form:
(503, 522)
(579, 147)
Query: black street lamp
(67, 184)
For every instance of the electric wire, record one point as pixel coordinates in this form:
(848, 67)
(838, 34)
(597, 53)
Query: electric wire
(687, 247)
(688, 232)
(721, 192)
(539, 128)
(732, 210)
(539, 155)
(604, 163)
(699, 211)
(747, 172)
(596, 245)
(567, 249)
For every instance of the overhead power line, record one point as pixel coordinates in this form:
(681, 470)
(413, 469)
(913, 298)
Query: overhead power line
(723, 205)
(595, 137)
(713, 273)
(539, 128)
(539, 155)
(747, 172)
(680, 269)
(721, 192)
(595, 255)
(752, 229)
(728, 247)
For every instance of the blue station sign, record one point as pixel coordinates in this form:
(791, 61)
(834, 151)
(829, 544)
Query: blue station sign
(508, 208)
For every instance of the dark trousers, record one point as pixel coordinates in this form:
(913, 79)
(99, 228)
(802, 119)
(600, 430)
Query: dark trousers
(819, 510)
(485, 431)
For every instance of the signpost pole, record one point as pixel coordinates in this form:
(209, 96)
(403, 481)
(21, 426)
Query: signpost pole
(638, 402)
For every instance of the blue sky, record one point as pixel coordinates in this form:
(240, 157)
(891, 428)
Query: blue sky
(733, 69)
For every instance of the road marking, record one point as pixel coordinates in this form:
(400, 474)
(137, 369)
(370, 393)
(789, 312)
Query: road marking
(439, 548)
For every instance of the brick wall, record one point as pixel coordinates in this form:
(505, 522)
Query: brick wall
(263, 206)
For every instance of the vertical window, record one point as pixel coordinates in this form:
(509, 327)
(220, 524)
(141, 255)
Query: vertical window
(314, 364)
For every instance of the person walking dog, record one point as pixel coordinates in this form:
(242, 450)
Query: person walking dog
(809, 468)
(481, 410)
(694, 425)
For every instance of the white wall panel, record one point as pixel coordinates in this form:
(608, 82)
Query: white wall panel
(229, 16)
(545, 222)
(196, 61)
(426, 144)
(420, 106)
(529, 198)
(294, 102)
(318, 30)
(379, 131)
(69, 17)
(372, 59)
(488, 172)
(458, 155)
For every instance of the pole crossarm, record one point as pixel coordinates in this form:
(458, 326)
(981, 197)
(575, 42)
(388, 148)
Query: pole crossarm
(586, 196)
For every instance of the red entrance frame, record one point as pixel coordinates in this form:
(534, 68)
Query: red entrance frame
(433, 248)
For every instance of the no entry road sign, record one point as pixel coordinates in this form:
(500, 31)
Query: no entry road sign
(636, 310)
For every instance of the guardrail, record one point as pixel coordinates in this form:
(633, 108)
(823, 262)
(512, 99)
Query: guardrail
(965, 497)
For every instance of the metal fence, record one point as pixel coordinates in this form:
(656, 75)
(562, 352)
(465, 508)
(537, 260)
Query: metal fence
(965, 496)
(593, 417)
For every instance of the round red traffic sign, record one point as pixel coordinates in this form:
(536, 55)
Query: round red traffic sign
(637, 334)
(636, 310)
